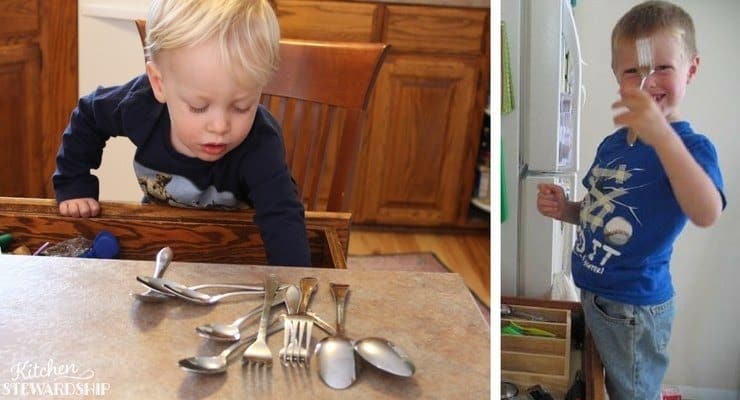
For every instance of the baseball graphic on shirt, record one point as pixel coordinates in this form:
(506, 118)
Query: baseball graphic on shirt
(617, 231)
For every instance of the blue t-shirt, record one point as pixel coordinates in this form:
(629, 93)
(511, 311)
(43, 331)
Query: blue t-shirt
(630, 218)
(254, 173)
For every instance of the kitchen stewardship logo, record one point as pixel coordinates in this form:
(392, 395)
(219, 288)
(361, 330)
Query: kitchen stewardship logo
(52, 379)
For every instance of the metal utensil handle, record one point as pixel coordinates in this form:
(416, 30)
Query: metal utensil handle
(227, 352)
(241, 320)
(271, 285)
(339, 292)
(164, 257)
(322, 324)
(308, 286)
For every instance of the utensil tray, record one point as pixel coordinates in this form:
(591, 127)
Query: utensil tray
(531, 360)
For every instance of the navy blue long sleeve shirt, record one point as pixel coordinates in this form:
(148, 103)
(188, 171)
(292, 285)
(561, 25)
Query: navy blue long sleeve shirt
(254, 173)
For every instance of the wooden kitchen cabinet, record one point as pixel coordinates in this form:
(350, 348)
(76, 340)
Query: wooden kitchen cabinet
(38, 77)
(423, 127)
(415, 152)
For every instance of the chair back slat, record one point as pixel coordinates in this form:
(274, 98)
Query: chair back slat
(320, 95)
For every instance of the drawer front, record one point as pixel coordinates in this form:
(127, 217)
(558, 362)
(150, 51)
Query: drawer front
(18, 17)
(326, 20)
(447, 30)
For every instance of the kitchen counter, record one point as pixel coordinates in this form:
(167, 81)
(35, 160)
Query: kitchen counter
(69, 321)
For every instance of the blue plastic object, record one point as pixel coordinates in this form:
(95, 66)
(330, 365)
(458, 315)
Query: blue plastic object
(105, 245)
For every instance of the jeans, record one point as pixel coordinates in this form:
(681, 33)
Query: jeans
(632, 342)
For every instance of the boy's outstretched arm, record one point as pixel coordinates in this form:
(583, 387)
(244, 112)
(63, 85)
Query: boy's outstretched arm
(551, 202)
(694, 190)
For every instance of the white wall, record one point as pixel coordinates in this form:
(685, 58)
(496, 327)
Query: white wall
(705, 347)
(110, 53)
(510, 15)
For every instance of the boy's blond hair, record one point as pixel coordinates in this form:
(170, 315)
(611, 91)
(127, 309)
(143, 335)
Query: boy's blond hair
(247, 32)
(654, 16)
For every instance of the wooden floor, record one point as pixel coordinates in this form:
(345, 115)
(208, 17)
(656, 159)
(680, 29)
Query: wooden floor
(468, 254)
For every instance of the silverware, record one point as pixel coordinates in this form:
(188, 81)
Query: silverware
(335, 355)
(258, 352)
(158, 284)
(323, 325)
(645, 67)
(384, 355)
(232, 332)
(164, 257)
(217, 364)
(291, 307)
(509, 311)
(299, 326)
(206, 299)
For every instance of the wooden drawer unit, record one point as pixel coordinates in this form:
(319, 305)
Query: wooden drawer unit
(327, 20)
(434, 30)
(422, 132)
(531, 360)
(38, 77)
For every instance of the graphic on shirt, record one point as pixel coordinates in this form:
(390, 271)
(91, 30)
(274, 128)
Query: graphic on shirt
(179, 191)
(604, 208)
(603, 198)
(617, 231)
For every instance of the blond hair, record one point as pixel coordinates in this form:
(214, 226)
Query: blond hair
(247, 32)
(654, 16)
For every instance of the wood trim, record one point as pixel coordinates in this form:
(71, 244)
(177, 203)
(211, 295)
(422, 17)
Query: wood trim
(58, 83)
(195, 235)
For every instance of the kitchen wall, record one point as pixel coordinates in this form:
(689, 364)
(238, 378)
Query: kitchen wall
(110, 54)
(705, 349)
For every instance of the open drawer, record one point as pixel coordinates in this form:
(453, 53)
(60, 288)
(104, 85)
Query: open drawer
(528, 360)
(531, 360)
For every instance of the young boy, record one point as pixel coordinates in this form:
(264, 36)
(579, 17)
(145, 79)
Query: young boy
(202, 138)
(647, 179)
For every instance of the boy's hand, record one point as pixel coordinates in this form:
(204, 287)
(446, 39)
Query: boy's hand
(551, 201)
(84, 207)
(642, 115)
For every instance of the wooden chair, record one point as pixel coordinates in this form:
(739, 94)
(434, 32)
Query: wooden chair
(194, 235)
(320, 96)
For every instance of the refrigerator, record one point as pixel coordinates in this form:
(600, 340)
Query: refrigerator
(540, 139)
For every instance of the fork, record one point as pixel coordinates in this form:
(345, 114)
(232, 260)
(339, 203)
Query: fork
(299, 327)
(258, 352)
(645, 67)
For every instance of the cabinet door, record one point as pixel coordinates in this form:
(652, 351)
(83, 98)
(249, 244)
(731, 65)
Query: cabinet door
(418, 140)
(20, 131)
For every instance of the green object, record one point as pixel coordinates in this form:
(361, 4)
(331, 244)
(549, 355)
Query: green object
(5, 240)
(507, 87)
(522, 330)
(510, 330)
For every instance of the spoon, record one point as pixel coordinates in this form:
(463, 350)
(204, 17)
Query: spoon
(158, 284)
(232, 332)
(292, 302)
(384, 355)
(335, 354)
(164, 257)
(292, 299)
(201, 298)
(218, 363)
